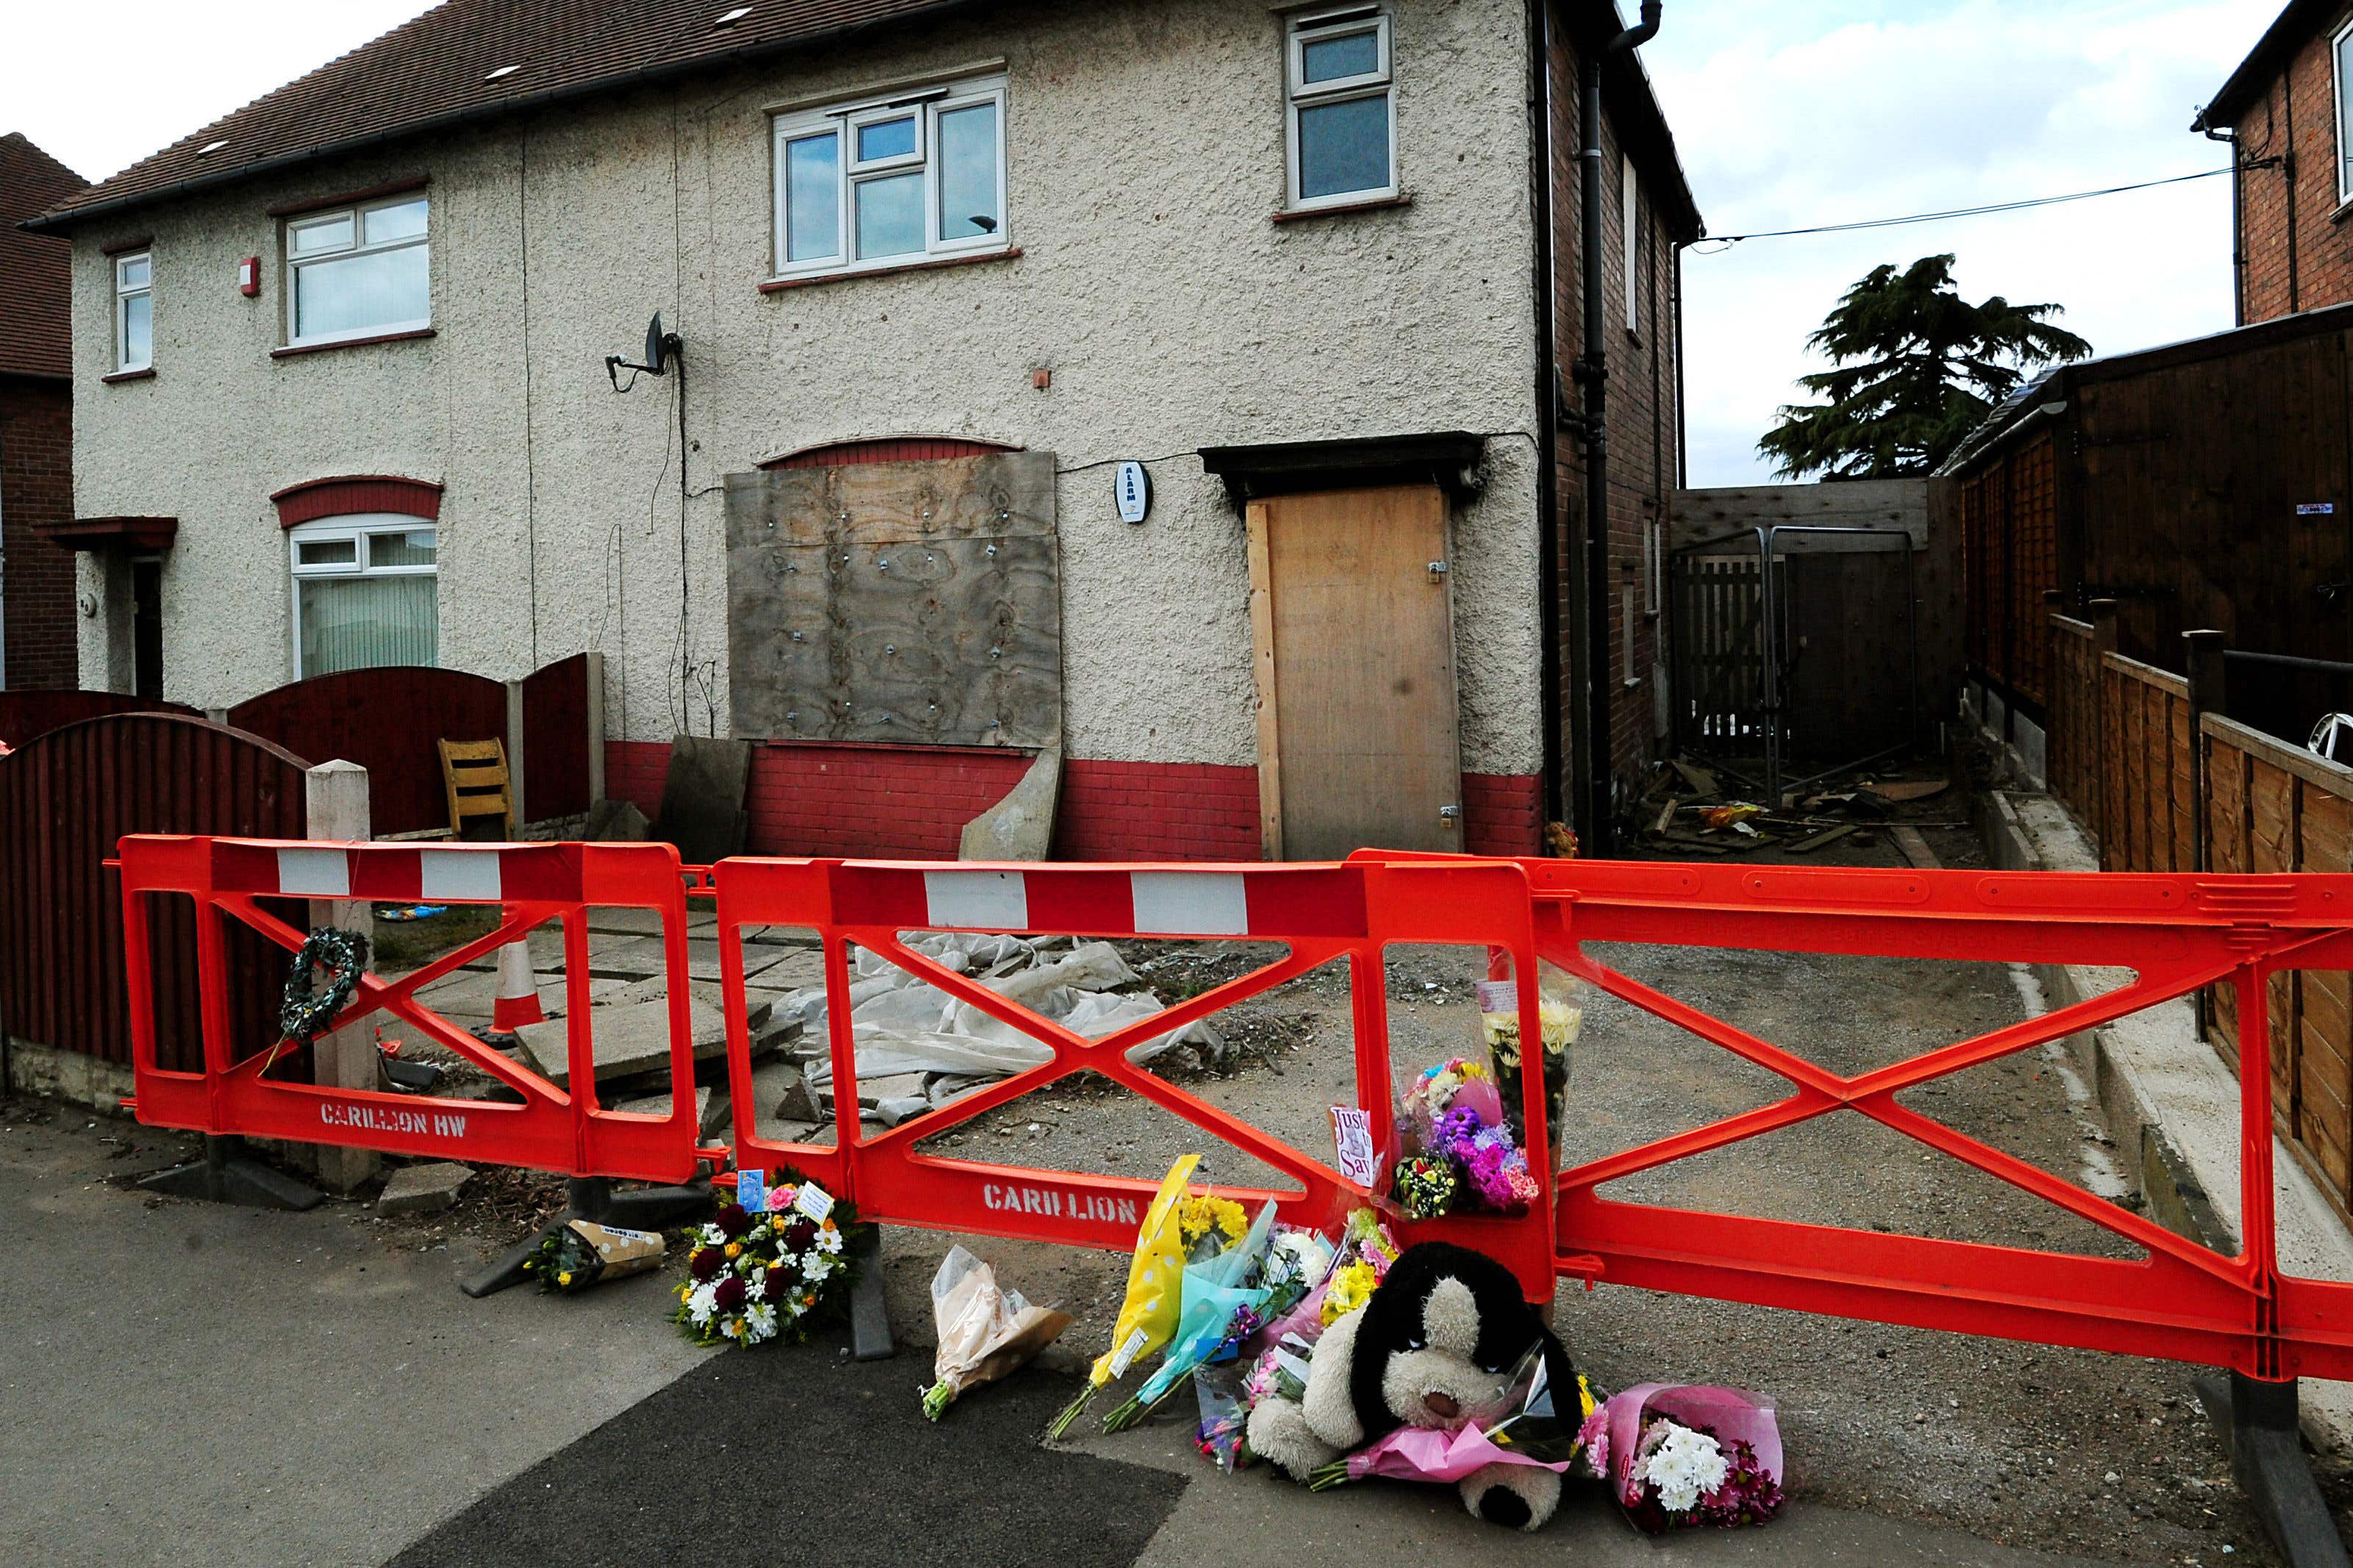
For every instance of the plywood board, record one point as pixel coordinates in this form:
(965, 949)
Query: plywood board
(1270, 725)
(915, 602)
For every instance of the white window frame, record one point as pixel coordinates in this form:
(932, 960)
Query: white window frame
(1314, 26)
(2344, 140)
(360, 528)
(844, 120)
(122, 297)
(356, 215)
(1631, 221)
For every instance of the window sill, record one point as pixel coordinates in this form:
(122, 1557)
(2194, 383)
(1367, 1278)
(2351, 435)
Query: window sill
(292, 349)
(1378, 204)
(123, 375)
(778, 285)
(2342, 212)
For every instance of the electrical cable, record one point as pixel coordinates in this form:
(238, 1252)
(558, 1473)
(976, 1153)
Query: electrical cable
(1726, 241)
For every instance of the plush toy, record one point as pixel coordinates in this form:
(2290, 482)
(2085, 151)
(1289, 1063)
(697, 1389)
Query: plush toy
(1439, 1339)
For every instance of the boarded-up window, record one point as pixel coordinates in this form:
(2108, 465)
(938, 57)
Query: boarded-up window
(918, 603)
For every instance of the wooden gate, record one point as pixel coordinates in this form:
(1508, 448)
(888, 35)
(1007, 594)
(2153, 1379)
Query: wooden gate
(66, 798)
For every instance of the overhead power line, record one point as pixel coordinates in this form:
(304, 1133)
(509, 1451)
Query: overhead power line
(1727, 241)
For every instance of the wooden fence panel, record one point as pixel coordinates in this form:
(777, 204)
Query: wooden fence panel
(2071, 764)
(25, 715)
(555, 740)
(388, 721)
(65, 800)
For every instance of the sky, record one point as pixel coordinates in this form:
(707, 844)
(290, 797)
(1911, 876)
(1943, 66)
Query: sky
(1812, 112)
(1787, 115)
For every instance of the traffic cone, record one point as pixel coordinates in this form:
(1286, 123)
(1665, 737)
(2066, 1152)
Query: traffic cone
(518, 999)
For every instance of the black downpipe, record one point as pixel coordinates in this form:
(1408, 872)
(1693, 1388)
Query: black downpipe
(1548, 411)
(2238, 221)
(1592, 373)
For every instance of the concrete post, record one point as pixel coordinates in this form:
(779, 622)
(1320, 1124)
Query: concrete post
(217, 715)
(2104, 642)
(336, 801)
(596, 727)
(516, 815)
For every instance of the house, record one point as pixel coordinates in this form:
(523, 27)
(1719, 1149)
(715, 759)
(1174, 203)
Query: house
(37, 577)
(1188, 391)
(2286, 113)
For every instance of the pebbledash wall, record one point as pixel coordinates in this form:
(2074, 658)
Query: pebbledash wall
(1145, 159)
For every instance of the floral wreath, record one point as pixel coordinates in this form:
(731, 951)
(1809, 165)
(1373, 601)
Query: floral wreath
(753, 1278)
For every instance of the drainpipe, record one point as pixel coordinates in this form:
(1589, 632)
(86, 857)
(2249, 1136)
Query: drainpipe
(2237, 226)
(1592, 373)
(1548, 402)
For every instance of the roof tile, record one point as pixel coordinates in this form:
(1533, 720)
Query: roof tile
(35, 270)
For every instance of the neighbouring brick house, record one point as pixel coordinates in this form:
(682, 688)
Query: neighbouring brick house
(1179, 387)
(37, 577)
(2286, 113)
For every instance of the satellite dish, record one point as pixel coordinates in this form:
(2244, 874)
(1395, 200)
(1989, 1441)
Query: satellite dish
(654, 344)
(661, 349)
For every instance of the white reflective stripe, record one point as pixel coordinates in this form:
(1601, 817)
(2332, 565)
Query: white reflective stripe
(315, 873)
(1190, 903)
(982, 900)
(458, 874)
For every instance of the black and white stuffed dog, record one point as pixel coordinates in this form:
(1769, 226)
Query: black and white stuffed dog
(1439, 1338)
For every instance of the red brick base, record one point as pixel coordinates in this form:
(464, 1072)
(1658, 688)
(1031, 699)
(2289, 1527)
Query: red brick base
(902, 803)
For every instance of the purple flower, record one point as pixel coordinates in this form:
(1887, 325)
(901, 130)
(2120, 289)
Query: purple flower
(704, 1264)
(732, 1220)
(731, 1295)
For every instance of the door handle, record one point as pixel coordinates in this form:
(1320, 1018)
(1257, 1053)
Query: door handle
(1437, 571)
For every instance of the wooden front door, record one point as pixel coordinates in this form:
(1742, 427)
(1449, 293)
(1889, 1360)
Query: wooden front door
(1354, 645)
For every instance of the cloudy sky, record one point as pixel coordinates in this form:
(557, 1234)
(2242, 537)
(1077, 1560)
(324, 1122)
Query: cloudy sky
(1798, 113)
(1826, 110)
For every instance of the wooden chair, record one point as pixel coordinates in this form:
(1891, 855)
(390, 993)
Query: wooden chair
(475, 774)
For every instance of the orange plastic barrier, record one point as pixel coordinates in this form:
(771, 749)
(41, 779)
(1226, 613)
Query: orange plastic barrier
(2175, 934)
(550, 1130)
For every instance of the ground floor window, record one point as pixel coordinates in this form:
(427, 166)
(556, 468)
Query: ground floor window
(365, 594)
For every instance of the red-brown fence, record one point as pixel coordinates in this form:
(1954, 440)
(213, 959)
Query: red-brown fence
(388, 721)
(558, 748)
(25, 715)
(66, 798)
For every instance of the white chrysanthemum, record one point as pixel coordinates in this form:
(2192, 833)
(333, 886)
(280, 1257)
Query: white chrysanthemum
(829, 1241)
(756, 1285)
(817, 1268)
(759, 1324)
(701, 1302)
(1685, 1467)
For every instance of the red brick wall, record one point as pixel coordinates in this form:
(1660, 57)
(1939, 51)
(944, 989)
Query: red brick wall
(1641, 420)
(2295, 120)
(37, 487)
(904, 803)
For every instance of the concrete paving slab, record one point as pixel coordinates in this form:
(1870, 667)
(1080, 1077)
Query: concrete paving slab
(422, 1189)
(629, 1040)
(710, 1109)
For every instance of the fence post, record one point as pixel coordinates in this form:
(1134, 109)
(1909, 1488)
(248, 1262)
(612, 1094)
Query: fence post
(335, 795)
(517, 811)
(595, 676)
(2104, 642)
(2204, 659)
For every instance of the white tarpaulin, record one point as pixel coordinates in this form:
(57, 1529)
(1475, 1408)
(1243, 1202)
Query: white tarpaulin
(906, 1027)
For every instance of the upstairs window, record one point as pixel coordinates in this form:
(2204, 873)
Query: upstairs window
(1342, 133)
(884, 183)
(358, 272)
(134, 312)
(1631, 204)
(365, 595)
(2340, 50)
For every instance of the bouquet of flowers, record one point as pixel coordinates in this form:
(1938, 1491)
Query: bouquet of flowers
(579, 1253)
(1220, 1293)
(1155, 1277)
(985, 1330)
(1461, 1153)
(1529, 1425)
(1560, 1021)
(1693, 1455)
(1273, 1363)
(753, 1278)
